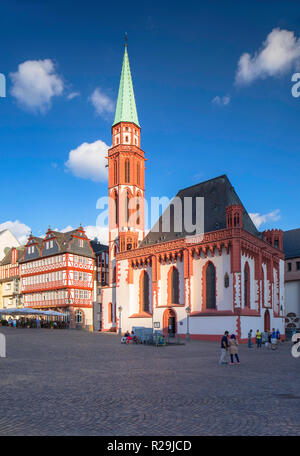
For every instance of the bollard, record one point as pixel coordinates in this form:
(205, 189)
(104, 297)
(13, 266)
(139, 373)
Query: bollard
(2, 346)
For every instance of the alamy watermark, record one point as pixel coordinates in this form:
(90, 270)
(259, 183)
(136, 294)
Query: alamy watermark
(2, 86)
(296, 346)
(296, 87)
(184, 216)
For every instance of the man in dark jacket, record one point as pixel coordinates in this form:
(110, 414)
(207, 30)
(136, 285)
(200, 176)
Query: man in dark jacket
(224, 348)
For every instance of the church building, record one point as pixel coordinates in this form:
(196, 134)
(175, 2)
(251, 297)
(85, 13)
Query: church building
(230, 278)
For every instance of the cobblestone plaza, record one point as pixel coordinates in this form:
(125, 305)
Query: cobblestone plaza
(68, 382)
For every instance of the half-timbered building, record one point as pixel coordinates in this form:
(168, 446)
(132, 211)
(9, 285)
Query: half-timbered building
(11, 295)
(57, 273)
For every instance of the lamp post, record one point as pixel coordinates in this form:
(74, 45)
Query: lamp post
(120, 310)
(188, 311)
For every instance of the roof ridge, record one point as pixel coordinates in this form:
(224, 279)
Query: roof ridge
(204, 182)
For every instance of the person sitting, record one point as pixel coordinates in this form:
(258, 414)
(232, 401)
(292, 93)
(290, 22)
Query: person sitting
(134, 337)
(127, 333)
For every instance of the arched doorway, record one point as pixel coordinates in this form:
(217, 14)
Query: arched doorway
(170, 323)
(267, 320)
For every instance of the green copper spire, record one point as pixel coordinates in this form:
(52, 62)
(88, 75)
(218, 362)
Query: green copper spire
(126, 108)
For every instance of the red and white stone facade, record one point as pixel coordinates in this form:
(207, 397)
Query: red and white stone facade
(229, 280)
(59, 276)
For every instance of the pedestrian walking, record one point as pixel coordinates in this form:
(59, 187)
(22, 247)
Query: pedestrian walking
(250, 338)
(233, 349)
(258, 337)
(278, 337)
(224, 348)
(273, 340)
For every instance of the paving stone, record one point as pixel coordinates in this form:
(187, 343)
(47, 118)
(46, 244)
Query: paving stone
(67, 382)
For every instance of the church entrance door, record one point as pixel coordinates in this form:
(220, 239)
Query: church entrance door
(267, 320)
(169, 323)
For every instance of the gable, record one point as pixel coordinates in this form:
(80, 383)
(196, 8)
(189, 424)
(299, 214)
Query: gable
(218, 193)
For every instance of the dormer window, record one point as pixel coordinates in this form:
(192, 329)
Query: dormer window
(81, 244)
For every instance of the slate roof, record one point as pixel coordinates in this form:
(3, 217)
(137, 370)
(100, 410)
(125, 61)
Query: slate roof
(7, 258)
(62, 245)
(218, 193)
(98, 247)
(291, 243)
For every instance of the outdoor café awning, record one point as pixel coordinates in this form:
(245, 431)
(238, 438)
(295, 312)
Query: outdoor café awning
(29, 311)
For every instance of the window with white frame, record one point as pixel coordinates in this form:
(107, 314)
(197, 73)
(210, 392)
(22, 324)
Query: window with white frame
(79, 316)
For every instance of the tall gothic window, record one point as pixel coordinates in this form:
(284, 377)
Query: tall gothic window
(144, 292)
(110, 312)
(116, 208)
(138, 210)
(127, 208)
(247, 285)
(262, 287)
(210, 286)
(175, 286)
(114, 278)
(127, 171)
(138, 174)
(115, 172)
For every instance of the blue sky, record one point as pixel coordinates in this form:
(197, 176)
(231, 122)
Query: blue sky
(198, 119)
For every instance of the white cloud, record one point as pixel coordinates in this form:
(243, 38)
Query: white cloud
(88, 161)
(221, 101)
(92, 232)
(101, 102)
(20, 230)
(260, 219)
(278, 54)
(66, 229)
(73, 95)
(100, 232)
(35, 84)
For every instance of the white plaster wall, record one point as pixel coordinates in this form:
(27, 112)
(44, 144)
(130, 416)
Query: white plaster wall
(281, 284)
(222, 265)
(107, 298)
(292, 297)
(253, 323)
(213, 325)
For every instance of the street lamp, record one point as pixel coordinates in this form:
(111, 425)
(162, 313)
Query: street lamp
(120, 310)
(188, 311)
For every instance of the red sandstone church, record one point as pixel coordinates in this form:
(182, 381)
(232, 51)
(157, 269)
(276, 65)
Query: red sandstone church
(232, 278)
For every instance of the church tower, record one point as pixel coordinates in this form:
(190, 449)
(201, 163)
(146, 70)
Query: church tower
(126, 171)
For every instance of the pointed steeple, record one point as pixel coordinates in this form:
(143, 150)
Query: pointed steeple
(126, 108)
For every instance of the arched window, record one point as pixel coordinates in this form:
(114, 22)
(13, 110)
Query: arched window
(78, 316)
(110, 312)
(144, 292)
(115, 172)
(116, 209)
(138, 174)
(175, 286)
(127, 207)
(138, 210)
(127, 171)
(262, 287)
(247, 285)
(210, 282)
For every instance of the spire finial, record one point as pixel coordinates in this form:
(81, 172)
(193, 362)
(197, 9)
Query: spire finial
(126, 39)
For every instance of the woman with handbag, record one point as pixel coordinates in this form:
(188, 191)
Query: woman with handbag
(233, 349)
